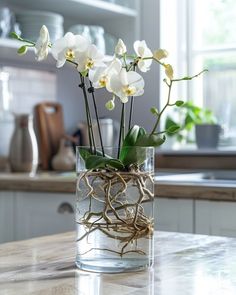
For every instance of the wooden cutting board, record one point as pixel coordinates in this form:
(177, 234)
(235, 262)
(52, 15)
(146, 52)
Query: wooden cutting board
(50, 129)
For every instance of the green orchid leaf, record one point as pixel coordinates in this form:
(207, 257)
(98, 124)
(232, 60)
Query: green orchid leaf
(131, 136)
(96, 162)
(141, 133)
(133, 155)
(137, 153)
(128, 154)
(129, 142)
(148, 140)
(84, 153)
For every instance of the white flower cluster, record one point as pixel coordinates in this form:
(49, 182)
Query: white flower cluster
(117, 76)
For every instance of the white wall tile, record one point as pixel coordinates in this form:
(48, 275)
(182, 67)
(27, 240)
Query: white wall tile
(29, 87)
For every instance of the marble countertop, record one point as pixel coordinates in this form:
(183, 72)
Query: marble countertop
(41, 182)
(167, 184)
(185, 264)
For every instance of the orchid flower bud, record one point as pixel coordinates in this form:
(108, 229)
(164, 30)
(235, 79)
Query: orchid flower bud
(160, 54)
(169, 71)
(110, 105)
(120, 48)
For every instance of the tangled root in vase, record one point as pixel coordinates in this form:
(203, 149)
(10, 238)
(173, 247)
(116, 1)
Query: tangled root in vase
(117, 208)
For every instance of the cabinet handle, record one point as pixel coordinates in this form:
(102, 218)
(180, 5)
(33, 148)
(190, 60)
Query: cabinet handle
(64, 208)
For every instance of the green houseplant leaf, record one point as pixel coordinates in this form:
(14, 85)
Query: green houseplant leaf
(128, 154)
(96, 162)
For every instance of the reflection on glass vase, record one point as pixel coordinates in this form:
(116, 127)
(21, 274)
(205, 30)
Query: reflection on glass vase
(114, 215)
(23, 156)
(95, 284)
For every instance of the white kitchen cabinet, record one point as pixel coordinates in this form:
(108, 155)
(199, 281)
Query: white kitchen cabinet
(117, 20)
(215, 218)
(175, 215)
(38, 214)
(6, 216)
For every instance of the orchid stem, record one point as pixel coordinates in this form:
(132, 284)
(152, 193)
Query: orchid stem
(131, 111)
(122, 128)
(88, 115)
(131, 105)
(91, 90)
(162, 111)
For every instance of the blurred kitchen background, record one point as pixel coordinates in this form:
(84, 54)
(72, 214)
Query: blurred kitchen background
(26, 83)
(173, 25)
(198, 34)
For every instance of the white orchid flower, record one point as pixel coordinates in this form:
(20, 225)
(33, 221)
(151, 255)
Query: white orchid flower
(120, 48)
(127, 84)
(142, 51)
(66, 48)
(41, 45)
(100, 77)
(89, 59)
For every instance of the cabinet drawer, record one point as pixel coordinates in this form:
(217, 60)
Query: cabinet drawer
(6, 216)
(216, 218)
(174, 215)
(40, 214)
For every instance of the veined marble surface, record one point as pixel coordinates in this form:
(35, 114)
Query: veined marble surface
(185, 264)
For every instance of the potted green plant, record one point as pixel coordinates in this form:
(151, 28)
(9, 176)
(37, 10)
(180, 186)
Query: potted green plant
(207, 130)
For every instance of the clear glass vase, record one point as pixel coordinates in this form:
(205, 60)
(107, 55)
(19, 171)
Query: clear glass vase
(114, 215)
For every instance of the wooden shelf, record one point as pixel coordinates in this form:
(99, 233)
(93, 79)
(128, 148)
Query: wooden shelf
(80, 10)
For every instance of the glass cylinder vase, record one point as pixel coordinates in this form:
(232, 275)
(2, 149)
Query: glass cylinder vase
(114, 214)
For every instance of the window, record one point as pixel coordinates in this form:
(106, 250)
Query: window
(200, 34)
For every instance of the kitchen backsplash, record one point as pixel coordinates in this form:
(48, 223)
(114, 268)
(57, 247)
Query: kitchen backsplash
(29, 87)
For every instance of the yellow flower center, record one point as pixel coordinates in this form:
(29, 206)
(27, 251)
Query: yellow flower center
(129, 90)
(70, 54)
(89, 64)
(103, 82)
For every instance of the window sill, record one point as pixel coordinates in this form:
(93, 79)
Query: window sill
(221, 151)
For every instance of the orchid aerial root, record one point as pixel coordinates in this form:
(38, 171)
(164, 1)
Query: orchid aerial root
(112, 212)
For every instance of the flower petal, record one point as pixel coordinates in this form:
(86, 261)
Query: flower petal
(135, 78)
(69, 40)
(140, 47)
(124, 77)
(81, 43)
(115, 83)
(144, 65)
